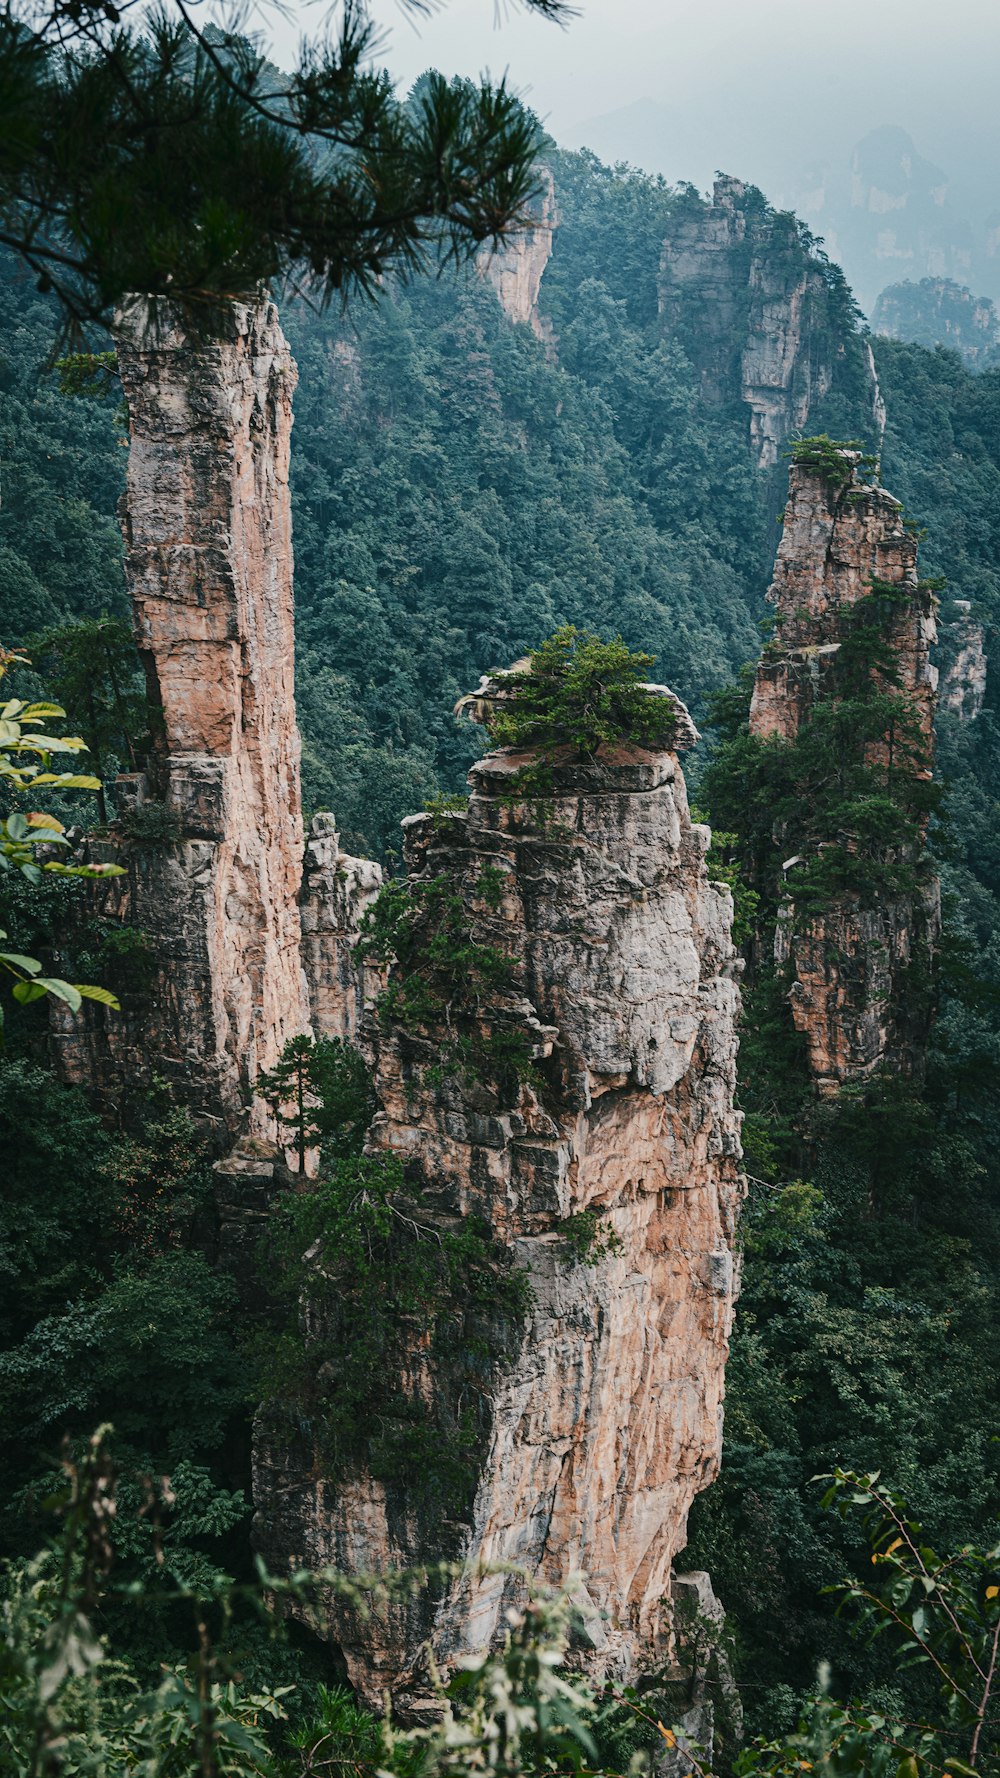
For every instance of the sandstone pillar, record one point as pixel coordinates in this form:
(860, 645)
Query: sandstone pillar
(848, 963)
(212, 831)
(608, 1420)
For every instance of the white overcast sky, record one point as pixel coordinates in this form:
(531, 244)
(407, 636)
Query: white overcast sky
(757, 87)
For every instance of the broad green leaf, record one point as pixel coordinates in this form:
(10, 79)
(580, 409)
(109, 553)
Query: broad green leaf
(59, 990)
(26, 992)
(103, 995)
(30, 965)
(68, 780)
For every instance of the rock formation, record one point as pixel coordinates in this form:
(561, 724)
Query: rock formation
(939, 312)
(211, 832)
(848, 963)
(754, 308)
(963, 681)
(606, 1421)
(515, 268)
(213, 828)
(336, 890)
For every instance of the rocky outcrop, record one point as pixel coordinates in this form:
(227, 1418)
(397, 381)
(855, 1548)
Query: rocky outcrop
(336, 891)
(753, 307)
(963, 682)
(211, 833)
(849, 962)
(515, 269)
(606, 1420)
(939, 312)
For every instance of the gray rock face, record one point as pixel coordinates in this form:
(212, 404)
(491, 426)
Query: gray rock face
(336, 890)
(608, 1420)
(758, 299)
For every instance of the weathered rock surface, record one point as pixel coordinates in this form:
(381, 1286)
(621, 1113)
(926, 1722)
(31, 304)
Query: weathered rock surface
(336, 890)
(758, 305)
(848, 964)
(215, 855)
(608, 1420)
(939, 312)
(515, 269)
(963, 683)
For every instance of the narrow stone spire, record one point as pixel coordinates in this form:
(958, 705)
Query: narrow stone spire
(848, 962)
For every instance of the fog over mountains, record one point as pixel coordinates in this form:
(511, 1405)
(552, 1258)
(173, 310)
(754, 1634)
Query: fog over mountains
(875, 120)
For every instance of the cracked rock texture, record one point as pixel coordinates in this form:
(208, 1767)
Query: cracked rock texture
(757, 303)
(608, 1420)
(207, 523)
(250, 929)
(336, 890)
(848, 964)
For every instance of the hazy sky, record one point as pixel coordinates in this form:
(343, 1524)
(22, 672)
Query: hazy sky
(755, 86)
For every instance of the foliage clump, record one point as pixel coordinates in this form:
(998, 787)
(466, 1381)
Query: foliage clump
(450, 964)
(320, 1092)
(589, 1238)
(834, 459)
(392, 1297)
(580, 694)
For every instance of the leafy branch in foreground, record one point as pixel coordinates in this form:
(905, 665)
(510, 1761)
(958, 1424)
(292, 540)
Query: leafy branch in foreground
(943, 1613)
(173, 158)
(25, 765)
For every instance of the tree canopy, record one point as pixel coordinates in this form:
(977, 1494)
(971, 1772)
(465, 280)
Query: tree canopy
(162, 154)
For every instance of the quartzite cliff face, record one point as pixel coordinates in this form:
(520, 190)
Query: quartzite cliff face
(608, 1420)
(212, 831)
(848, 964)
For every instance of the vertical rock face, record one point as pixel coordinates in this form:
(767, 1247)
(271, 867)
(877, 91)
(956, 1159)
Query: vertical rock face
(515, 269)
(848, 963)
(757, 306)
(963, 682)
(215, 853)
(607, 1420)
(336, 890)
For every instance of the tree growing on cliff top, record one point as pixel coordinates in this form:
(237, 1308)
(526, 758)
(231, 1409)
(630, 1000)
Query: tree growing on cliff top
(172, 158)
(578, 692)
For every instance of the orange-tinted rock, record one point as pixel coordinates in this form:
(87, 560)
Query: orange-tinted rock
(849, 964)
(207, 522)
(608, 1420)
(515, 269)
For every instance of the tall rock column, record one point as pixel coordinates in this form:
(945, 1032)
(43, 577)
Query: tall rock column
(843, 541)
(213, 829)
(606, 1420)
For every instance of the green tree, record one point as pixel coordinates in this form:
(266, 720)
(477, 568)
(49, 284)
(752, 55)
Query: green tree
(320, 1091)
(93, 669)
(174, 159)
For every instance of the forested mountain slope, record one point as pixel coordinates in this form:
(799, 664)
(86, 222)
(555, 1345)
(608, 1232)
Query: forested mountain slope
(461, 487)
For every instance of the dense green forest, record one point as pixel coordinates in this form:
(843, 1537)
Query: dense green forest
(459, 492)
